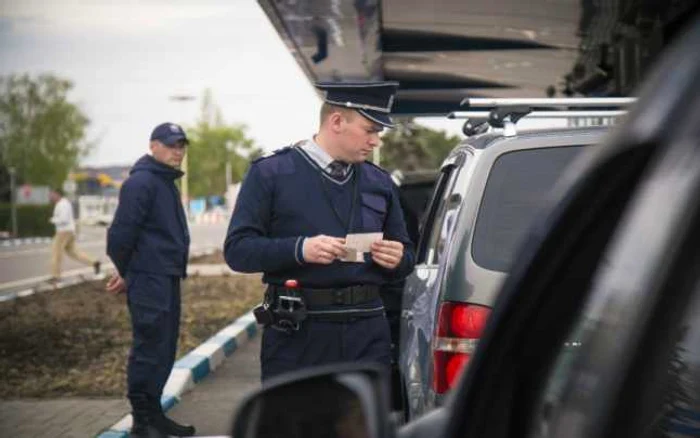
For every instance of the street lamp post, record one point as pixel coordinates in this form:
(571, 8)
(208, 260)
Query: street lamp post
(183, 166)
(13, 201)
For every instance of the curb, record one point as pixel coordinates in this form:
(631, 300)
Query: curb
(61, 284)
(24, 241)
(195, 366)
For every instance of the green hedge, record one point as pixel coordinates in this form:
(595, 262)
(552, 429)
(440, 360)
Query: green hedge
(32, 220)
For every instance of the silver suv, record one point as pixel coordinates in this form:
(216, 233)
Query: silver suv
(489, 191)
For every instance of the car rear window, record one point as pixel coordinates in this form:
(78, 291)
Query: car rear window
(516, 189)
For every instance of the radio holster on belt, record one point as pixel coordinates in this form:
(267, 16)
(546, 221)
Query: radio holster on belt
(289, 312)
(263, 314)
(283, 308)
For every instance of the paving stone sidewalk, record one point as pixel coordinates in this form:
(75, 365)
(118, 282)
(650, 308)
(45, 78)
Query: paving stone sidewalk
(61, 418)
(210, 406)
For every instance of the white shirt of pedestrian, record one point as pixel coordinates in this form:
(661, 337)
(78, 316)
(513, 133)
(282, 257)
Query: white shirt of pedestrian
(63, 216)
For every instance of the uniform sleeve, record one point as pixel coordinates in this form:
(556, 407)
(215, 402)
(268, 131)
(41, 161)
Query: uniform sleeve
(395, 229)
(135, 200)
(249, 246)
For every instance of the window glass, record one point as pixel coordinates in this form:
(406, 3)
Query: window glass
(515, 192)
(446, 213)
(435, 242)
(436, 200)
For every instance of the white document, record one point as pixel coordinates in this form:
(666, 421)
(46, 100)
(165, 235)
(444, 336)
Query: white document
(359, 243)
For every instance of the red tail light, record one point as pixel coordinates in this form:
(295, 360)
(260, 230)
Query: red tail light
(454, 367)
(459, 327)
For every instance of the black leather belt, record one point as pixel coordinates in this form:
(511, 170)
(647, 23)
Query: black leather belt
(345, 296)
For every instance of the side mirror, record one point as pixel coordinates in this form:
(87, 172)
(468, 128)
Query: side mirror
(343, 401)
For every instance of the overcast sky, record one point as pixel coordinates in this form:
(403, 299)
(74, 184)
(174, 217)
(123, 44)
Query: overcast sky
(127, 58)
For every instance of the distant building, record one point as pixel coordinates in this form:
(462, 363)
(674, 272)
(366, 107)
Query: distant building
(95, 191)
(99, 181)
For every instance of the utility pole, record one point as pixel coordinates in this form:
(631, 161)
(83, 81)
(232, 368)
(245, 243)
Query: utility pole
(228, 174)
(229, 177)
(13, 201)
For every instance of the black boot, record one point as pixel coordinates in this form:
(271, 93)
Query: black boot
(143, 420)
(142, 428)
(168, 426)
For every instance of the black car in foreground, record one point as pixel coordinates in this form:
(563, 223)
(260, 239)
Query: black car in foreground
(612, 266)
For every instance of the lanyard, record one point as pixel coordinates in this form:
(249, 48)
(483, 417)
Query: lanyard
(329, 199)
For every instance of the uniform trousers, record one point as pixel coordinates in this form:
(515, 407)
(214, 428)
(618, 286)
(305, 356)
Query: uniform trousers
(154, 307)
(319, 342)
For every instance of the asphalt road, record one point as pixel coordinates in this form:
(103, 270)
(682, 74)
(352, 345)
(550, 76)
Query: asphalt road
(32, 260)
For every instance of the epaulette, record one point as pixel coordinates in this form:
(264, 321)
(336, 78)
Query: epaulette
(279, 151)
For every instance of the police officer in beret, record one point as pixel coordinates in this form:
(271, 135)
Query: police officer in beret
(148, 241)
(292, 215)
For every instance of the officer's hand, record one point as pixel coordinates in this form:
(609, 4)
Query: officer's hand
(387, 253)
(323, 249)
(116, 284)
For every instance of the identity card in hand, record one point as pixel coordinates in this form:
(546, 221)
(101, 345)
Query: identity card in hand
(359, 243)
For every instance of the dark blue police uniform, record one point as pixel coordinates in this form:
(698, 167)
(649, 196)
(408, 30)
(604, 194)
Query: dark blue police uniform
(287, 197)
(148, 241)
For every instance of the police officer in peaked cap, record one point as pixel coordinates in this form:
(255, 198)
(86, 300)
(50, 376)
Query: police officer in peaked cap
(292, 215)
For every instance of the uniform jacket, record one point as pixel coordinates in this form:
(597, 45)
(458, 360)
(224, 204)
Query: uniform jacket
(287, 197)
(149, 231)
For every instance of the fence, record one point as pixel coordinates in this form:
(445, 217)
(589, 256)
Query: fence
(96, 210)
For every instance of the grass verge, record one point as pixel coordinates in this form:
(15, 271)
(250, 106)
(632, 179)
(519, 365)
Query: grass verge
(74, 342)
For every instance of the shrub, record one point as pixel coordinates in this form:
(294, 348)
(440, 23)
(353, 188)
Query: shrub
(32, 220)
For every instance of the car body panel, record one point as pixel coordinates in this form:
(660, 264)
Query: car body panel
(414, 348)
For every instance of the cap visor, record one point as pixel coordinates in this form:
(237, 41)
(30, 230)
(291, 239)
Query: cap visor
(172, 139)
(377, 117)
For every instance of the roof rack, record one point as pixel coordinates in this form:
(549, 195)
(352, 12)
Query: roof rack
(560, 102)
(505, 113)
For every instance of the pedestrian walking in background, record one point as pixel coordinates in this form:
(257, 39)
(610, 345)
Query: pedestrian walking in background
(64, 239)
(294, 214)
(148, 241)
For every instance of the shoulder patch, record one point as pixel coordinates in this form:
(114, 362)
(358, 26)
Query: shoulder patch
(280, 151)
